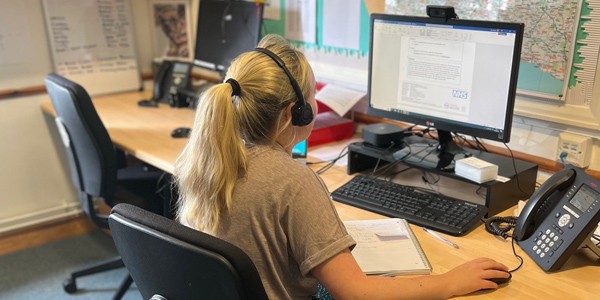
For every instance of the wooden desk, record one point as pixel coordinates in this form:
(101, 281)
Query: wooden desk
(145, 133)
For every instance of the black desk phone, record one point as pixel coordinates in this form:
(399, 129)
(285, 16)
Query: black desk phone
(559, 217)
(172, 76)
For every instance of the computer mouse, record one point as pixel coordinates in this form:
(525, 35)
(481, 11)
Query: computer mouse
(181, 132)
(500, 280)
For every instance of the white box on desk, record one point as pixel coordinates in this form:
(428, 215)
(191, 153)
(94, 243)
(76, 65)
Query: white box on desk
(476, 169)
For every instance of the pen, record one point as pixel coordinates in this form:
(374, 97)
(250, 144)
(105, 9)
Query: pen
(441, 238)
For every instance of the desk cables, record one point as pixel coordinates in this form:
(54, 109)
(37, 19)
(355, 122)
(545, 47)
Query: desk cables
(500, 226)
(329, 163)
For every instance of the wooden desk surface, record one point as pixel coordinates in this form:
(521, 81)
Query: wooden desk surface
(145, 133)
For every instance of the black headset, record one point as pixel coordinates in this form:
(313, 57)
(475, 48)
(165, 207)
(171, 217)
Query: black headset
(302, 113)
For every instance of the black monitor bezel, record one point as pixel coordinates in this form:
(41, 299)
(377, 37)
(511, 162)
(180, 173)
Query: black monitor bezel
(218, 66)
(445, 124)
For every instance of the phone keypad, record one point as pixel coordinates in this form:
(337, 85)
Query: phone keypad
(546, 242)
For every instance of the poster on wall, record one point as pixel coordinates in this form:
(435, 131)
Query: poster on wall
(171, 29)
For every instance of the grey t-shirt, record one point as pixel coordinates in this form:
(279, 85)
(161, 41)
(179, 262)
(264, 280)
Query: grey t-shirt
(283, 218)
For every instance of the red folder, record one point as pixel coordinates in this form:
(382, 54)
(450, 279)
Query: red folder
(330, 127)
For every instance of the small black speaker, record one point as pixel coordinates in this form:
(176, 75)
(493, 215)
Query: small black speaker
(383, 134)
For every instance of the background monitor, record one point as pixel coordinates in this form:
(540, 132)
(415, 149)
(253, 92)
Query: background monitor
(300, 151)
(225, 30)
(454, 75)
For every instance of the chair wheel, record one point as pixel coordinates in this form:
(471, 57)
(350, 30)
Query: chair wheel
(70, 286)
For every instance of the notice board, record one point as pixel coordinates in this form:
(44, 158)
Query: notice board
(91, 43)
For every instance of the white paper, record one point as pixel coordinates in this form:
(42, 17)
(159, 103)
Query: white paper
(327, 153)
(502, 178)
(272, 10)
(301, 20)
(341, 23)
(386, 247)
(389, 231)
(339, 99)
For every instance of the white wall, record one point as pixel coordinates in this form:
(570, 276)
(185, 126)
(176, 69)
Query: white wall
(35, 185)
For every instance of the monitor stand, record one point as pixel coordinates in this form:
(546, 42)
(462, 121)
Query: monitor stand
(431, 154)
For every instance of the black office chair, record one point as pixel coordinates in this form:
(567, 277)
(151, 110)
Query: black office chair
(98, 170)
(170, 261)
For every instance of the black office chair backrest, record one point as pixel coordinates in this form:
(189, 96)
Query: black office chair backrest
(90, 151)
(176, 262)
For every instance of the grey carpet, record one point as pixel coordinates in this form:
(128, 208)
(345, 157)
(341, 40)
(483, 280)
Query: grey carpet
(38, 273)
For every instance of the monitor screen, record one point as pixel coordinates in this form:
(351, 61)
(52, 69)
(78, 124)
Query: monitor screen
(453, 75)
(225, 30)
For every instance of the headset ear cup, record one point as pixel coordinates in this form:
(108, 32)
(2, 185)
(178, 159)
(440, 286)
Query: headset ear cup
(302, 115)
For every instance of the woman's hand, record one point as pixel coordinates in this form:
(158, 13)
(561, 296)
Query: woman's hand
(471, 276)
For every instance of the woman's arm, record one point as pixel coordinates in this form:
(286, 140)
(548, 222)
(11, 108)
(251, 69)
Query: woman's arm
(343, 279)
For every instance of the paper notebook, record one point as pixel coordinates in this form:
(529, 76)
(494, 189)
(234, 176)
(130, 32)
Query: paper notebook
(387, 247)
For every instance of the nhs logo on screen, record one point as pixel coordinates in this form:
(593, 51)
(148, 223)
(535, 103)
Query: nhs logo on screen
(460, 94)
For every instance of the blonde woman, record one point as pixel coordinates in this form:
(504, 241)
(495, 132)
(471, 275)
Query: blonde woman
(237, 181)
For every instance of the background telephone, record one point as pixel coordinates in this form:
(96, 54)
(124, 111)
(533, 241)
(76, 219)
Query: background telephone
(171, 77)
(559, 217)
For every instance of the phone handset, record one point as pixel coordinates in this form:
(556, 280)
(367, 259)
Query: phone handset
(160, 85)
(559, 181)
(161, 82)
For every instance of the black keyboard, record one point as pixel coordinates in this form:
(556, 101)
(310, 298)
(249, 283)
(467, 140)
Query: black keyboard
(417, 206)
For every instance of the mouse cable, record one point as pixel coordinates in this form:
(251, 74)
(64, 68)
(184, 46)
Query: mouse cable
(516, 255)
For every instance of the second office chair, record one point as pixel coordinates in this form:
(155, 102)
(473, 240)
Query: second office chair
(94, 165)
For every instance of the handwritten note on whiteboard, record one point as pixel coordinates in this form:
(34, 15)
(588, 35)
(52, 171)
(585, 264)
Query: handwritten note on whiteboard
(92, 43)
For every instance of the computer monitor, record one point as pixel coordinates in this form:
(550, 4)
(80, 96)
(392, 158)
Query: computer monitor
(225, 30)
(452, 75)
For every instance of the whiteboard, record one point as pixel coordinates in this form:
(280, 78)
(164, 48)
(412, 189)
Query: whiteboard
(91, 42)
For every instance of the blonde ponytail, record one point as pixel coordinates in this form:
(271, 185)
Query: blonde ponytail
(215, 156)
(211, 162)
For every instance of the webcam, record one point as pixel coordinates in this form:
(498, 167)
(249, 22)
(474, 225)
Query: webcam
(441, 11)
